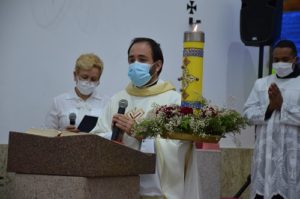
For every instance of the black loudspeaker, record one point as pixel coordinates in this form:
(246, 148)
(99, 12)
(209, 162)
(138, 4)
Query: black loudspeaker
(260, 21)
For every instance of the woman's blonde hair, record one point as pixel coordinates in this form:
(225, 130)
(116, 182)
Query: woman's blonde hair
(88, 61)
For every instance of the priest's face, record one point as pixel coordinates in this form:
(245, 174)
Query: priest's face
(142, 52)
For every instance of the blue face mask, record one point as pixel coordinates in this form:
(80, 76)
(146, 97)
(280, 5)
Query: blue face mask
(139, 73)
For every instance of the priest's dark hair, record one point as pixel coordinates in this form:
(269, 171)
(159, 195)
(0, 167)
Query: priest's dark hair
(287, 44)
(155, 47)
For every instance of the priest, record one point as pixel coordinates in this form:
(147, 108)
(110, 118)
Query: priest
(145, 60)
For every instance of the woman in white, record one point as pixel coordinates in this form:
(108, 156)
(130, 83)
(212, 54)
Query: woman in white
(82, 100)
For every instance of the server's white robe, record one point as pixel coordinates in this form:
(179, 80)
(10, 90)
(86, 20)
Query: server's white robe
(276, 160)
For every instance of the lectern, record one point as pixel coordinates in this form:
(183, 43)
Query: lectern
(79, 166)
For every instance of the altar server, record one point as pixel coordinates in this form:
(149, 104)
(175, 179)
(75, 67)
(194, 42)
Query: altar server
(274, 108)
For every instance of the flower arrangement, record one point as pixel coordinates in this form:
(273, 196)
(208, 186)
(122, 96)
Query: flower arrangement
(201, 122)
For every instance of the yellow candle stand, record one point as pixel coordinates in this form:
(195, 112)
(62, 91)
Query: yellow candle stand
(192, 69)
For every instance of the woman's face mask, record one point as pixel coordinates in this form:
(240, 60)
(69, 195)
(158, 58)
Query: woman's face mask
(139, 73)
(86, 87)
(283, 69)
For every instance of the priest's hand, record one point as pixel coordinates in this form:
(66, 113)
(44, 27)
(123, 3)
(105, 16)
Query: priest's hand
(275, 97)
(123, 122)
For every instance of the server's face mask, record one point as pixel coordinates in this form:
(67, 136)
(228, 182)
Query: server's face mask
(283, 69)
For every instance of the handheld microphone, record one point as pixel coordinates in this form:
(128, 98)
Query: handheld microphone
(116, 131)
(72, 118)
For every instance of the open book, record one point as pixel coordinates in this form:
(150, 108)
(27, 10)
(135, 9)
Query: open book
(52, 132)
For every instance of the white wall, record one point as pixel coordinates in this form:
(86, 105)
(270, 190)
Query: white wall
(41, 39)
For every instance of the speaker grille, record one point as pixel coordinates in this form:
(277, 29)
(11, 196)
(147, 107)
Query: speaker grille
(260, 21)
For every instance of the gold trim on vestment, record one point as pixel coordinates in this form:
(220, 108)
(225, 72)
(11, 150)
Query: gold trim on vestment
(149, 91)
